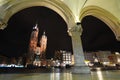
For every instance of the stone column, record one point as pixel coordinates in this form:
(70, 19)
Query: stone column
(79, 66)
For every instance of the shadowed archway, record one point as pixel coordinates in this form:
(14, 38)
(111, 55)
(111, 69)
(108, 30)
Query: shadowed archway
(108, 18)
(15, 38)
(97, 35)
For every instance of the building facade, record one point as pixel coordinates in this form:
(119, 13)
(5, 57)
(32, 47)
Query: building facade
(37, 49)
(33, 44)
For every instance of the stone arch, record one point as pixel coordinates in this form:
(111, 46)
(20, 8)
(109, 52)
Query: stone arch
(55, 5)
(104, 16)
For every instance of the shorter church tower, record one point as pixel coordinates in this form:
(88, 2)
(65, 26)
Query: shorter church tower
(43, 45)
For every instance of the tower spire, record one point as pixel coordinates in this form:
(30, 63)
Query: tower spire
(44, 33)
(36, 26)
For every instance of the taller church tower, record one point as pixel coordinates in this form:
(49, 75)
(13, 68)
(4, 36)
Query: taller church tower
(33, 44)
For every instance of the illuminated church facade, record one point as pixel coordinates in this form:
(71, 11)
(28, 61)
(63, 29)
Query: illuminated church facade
(37, 48)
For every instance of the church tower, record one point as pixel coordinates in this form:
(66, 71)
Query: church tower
(33, 44)
(43, 45)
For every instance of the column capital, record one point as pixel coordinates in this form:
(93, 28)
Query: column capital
(76, 29)
(2, 24)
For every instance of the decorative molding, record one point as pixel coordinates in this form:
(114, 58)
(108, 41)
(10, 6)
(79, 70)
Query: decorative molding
(77, 28)
(2, 25)
(56, 5)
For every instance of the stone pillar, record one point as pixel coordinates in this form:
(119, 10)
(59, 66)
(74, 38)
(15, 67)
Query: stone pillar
(79, 66)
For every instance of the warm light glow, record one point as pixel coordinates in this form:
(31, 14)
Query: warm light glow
(67, 76)
(118, 60)
(117, 53)
(55, 76)
(100, 76)
(73, 61)
(77, 19)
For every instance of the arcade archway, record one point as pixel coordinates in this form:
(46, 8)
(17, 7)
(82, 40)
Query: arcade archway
(57, 6)
(97, 35)
(20, 27)
(104, 16)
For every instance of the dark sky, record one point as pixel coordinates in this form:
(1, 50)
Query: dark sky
(98, 36)
(14, 39)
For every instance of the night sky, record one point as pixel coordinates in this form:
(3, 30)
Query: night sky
(15, 38)
(98, 36)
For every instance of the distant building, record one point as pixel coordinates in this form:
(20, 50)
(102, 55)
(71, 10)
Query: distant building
(37, 48)
(43, 46)
(67, 58)
(33, 44)
(64, 57)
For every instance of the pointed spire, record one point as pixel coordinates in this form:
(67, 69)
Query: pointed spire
(36, 26)
(44, 33)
